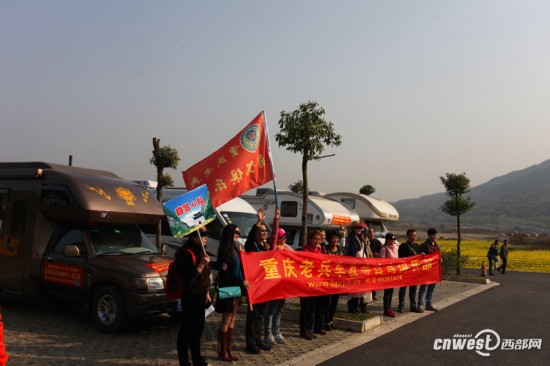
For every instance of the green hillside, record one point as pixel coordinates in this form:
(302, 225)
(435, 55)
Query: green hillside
(519, 200)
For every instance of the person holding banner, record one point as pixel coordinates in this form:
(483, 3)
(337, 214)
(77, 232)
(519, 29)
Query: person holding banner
(274, 308)
(408, 249)
(230, 273)
(308, 304)
(194, 271)
(389, 250)
(356, 247)
(256, 242)
(333, 248)
(430, 246)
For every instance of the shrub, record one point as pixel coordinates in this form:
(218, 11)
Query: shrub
(449, 261)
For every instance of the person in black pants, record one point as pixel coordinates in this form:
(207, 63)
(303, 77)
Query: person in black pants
(193, 267)
(333, 248)
(408, 249)
(256, 242)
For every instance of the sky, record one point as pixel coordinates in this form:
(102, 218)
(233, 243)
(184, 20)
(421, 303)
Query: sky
(416, 89)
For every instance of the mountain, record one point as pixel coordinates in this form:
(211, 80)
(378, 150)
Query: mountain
(518, 200)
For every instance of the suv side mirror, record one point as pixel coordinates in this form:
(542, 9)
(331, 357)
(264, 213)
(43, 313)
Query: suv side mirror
(71, 251)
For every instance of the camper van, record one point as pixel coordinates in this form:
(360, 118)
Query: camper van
(323, 213)
(372, 211)
(236, 211)
(73, 233)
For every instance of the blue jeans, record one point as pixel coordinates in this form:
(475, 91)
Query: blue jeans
(429, 295)
(272, 319)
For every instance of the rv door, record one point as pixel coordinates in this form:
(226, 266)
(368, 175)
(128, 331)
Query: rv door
(16, 235)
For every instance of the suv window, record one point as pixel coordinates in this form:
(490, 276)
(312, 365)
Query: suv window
(70, 237)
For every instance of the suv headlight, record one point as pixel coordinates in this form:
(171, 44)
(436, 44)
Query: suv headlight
(149, 283)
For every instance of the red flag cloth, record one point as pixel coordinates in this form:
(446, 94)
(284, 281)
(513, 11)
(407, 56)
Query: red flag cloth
(240, 165)
(281, 274)
(3, 354)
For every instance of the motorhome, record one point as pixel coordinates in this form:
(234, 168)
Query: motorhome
(73, 233)
(322, 212)
(236, 211)
(372, 211)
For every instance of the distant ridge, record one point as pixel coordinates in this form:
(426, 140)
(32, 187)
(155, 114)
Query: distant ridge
(519, 200)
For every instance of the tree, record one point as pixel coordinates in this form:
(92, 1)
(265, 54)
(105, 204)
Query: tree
(163, 157)
(367, 189)
(297, 187)
(457, 185)
(305, 131)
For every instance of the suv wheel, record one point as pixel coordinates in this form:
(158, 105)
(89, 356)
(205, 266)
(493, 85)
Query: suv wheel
(108, 310)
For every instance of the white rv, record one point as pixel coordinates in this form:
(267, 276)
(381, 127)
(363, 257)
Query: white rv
(236, 211)
(323, 213)
(372, 211)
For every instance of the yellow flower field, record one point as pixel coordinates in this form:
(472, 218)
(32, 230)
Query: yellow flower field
(518, 259)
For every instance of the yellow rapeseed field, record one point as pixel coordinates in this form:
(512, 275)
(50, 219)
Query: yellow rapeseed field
(518, 259)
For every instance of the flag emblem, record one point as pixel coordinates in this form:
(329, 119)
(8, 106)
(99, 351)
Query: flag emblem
(250, 138)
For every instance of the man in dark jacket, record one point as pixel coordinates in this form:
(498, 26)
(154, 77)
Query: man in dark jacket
(408, 249)
(428, 247)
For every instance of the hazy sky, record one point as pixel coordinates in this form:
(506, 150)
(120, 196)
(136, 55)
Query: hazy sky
(416, 89)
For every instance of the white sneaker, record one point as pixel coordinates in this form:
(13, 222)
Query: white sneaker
(270, 340)
(280, 339)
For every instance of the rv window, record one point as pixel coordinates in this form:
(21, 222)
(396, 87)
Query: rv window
(70, 237)
(55, 197)
(348, 201)
(19, 217)
(289, 209)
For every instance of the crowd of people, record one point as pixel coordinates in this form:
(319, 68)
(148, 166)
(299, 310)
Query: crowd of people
(263, 320)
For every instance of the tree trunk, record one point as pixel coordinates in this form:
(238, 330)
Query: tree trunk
(458, 245)
(156, 148)
(305, 196)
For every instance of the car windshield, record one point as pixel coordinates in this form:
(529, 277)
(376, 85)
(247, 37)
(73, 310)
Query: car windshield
(120, 240)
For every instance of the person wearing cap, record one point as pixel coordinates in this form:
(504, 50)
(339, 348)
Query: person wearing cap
(389, 250)
(274, 308)
(356, 247)
(430, 246)
(503, 254)
(194, 271)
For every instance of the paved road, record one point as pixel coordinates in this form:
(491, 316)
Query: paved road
(516, 310)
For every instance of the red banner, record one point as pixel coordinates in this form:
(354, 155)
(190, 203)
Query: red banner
(281, 274)
(240, 165)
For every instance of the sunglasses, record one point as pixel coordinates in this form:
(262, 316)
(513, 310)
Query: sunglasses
(263, 231)
(237, 232)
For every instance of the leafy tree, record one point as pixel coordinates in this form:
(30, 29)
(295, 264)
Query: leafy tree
(297, 187)
(457, 185)
(305, 131)
(367, 189)
(163, 157)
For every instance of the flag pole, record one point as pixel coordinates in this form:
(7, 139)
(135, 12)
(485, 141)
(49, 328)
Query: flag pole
(271, 160)
(200, 239)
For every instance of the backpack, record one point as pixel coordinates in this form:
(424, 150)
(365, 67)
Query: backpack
(174, 284)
